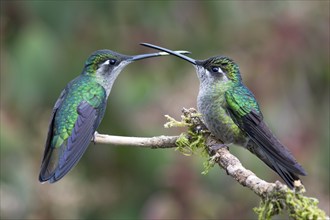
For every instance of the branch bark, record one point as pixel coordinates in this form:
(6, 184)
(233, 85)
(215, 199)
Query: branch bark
(145, 142)
(222, 157)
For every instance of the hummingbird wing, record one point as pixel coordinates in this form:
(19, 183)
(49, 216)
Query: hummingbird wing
(48, 165)
(245, 112)
(60, 160)
(78, 141)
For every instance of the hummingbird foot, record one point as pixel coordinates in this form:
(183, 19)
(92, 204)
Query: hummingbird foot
(219, 146)
(212, 149)
(201, 129)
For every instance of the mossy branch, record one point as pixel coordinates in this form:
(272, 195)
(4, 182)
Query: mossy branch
(275, 197)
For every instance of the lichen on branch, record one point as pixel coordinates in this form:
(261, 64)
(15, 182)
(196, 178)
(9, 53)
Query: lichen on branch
(192, 142)
(294, 202)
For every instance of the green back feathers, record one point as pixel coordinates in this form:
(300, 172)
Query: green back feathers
(241, 100)
(80, 89)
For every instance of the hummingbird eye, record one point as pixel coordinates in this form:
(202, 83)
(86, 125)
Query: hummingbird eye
(113, 61)
(215, 69)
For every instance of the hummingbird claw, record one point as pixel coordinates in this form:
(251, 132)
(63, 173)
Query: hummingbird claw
(218, 146)
(214, 148)
(200, 129)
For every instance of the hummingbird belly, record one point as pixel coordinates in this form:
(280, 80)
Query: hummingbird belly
(219, 122)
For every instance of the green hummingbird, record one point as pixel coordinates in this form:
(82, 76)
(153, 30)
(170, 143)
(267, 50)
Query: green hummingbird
(79, 110)
(232, 114)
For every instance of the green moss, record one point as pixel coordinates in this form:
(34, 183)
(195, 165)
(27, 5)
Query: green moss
(208, 164)
(191, 142)
(174, 123)
(295, 203)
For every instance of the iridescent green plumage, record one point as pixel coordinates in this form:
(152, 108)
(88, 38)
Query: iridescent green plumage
(81, 89)
(231, 112)
(79, 110)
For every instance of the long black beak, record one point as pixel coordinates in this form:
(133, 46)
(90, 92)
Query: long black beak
(148, 55)
(175, 53)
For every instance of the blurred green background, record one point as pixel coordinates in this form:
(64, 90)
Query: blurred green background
(282, 48)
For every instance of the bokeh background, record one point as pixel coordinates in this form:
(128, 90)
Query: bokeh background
(282, 48)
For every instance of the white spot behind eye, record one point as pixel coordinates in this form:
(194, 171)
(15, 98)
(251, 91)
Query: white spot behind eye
(224, 76)
(221, 71)
(106, 62)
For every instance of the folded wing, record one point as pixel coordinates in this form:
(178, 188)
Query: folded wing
(60, 160)
(245, 111)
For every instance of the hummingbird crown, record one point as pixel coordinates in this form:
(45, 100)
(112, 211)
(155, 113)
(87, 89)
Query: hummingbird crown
(100, 58)
(224, 66)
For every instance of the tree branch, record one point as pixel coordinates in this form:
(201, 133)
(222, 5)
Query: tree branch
(145, 142)
(275, 197)
(223, 157)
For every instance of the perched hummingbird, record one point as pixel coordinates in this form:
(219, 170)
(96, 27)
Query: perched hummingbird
(231, 112)
(79, 110)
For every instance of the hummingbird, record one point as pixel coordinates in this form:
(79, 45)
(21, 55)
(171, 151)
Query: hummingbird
(232, 114)
(79, 110)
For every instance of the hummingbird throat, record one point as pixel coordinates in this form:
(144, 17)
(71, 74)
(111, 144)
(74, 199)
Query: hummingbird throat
(106, 76)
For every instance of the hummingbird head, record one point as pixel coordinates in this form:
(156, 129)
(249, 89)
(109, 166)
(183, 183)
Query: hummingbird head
(212, 70)
(218, 68)
(103, 63)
